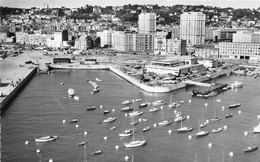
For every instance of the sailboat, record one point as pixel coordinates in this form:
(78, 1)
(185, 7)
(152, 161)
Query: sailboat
(250, 148)
(134, 143)
(215, 118)
(45, 138)
(164, 122)
(235, 105)
(201, 133)
(184, 129)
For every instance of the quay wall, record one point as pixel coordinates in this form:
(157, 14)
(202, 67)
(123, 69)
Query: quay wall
(80, 67)
(15, 91)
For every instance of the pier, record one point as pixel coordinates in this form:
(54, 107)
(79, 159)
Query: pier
(191, 82)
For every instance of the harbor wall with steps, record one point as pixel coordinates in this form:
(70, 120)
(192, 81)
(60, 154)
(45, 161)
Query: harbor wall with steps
(17, 89)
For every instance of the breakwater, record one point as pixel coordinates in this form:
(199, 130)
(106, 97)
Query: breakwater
(15, 90)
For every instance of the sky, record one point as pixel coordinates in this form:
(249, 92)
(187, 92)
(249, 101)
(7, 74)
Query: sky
(80, 3)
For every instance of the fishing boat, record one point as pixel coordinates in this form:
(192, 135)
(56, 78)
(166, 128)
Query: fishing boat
(127, 102)
(127, 109)
(158, 103)
(216, 130)
(251, 148)
(106, 112)
(134, 143)
(98, 79)
(146, 129)
(234, 105)
(229, 115)
(46, 139)
(135, 113)
(257, 129)
(110, 119)
(165, 122)
(71, 92)
(96, 152)
(91, 108)
(73, 121)
(154, 109)
(82, 143)
(180, 118)
(202, 133)
(143, 105)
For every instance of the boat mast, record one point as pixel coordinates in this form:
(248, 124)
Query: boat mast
(85, 134)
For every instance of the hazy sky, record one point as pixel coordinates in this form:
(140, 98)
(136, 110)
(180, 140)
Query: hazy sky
(80, 3)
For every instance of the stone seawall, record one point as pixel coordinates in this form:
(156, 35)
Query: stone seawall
(17, 89)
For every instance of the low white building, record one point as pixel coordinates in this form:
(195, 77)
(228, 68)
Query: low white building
(209, 63)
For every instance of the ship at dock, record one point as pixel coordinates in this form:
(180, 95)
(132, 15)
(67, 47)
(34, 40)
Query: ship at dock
(210, 91)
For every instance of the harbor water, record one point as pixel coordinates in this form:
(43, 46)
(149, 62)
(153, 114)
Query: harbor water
(44, 108)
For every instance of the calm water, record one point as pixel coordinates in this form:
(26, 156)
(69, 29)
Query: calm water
(42, 106)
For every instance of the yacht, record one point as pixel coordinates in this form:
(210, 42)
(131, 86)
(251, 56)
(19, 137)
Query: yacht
(216, 130)
(136, 113)
(146, 129)
(154, 109)
(46, 139)
(202, 133)
(158, 103)
(234, 105)
(127, 109)
(229, 115)
(127, 102)
(180, 118)
(251, 148)
(110, 119)
(184, 129)
(165, 122)
(143, 104)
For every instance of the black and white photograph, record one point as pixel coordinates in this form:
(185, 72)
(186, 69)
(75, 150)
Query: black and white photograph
(130, 80)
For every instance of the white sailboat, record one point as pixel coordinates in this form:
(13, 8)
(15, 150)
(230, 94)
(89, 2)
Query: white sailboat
(135, 143)
(164, 122)
(184, 129)
(45, 138)
(201, 133)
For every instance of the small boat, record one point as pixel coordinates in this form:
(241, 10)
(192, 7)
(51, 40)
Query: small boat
(255, 75)
(181, 101)
(180, 118)
(110, 119)
(146, 129)
(257, 129)
(112, 128)
(178, 114)
(126, 133)
(172, 105)
(145, 120)
(138, 99)
(91, 108)
(96, 152)
(234, 105)
(204, 124)
(215, 119)
(229, 115)
(127, 102)
(236, 84)
(73, 121)
(98, 79)
(216, 130)
(251, 148)
(202, 133)
(158, 102)
(134, 123)
(71, 92)
(184, 129)
(127, 109)
(154, 109)
(82, 143)
(143, 104)
(96, 89)
(106, 112)
(136, 113)
(135, 143)
(46, 138)
(165, 122)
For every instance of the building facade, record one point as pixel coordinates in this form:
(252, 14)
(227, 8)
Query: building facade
(105, 38)
(247, 37)
(147, 23)
(192, 27)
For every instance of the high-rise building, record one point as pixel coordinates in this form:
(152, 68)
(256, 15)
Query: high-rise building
(192, 27)
(147, 23)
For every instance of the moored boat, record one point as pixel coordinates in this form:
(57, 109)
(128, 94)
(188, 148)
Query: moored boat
(165, 122)
(215, 119)
(229, 115)
(73, 121)
(180, 118)
(146, 129)
(251, 148)
(110, 119)
(143, 105)
(216, 130)
(82, 143)
(138, 99)
(98, 79)
(91, 108)
(46, 138)
(127, 102)
(158, 102)
(96, 152)
(135, 143)
(127, 109)
(106, 111)
(204, 124)
(202, 133)
(136, 113)
(234, 105)
(184, 129)
(154, 109)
